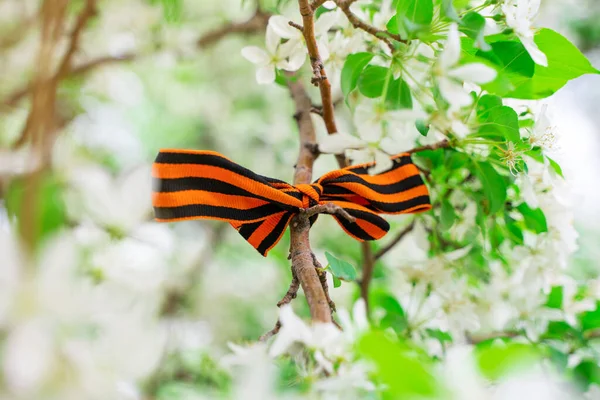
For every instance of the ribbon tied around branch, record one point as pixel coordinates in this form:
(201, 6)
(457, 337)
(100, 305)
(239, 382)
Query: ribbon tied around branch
(191, 184)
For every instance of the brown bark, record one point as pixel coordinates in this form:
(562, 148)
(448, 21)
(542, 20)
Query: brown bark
(301, 254)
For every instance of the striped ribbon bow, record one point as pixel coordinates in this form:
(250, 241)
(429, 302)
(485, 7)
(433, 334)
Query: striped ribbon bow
(206, 185)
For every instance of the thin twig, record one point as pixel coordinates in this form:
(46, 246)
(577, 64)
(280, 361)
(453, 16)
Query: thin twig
(295, 25)
(328, 208)
(256, 23)
(286, 299)
(88, 12)
(439, 145)
(271, 333)
(323, 279)
(13, 99)
(316, 4)
(367, 273)
(356, 22)
(475, 339)
(291, 293)
(317, 110)
(319, 75)
(394, 241)
(51, 82)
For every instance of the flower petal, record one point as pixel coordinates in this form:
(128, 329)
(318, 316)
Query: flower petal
(324, 48)
(295, 61)
(265, 75)
(324, 23)
(451, 52)
(383, 163)
(454, 93)
(255, 55)
(330, 5)
(293, 329)
(476, 72)
(536, 54)
(281, 27)
(272, 40)
(339, 142)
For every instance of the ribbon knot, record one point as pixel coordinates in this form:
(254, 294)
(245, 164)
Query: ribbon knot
(192, 184)
(312, 194)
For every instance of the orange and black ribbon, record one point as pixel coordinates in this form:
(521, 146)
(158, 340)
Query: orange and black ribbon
(193, 184)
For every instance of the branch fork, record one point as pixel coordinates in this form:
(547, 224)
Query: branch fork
(327, 208)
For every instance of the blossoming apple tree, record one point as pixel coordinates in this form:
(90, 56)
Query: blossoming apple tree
(472, 299)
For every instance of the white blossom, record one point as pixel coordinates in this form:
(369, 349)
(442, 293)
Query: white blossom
(519, 16)
(276, 56)
(450, 76)
(544, 134)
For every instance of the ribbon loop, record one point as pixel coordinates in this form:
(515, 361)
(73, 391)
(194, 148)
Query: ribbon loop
(193, 184)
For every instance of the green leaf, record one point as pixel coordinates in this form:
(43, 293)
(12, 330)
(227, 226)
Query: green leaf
(448, 11)
(398, 95)
(472, 24)
(590, 319)
(342, 269)
(416, 11)
(486, 104)
(336, 281)
(414, 379)
(587, 373)
(499, 122)
(497, 361)
(392, 25)
(513, 57)
(510, 59)
(439, 335)
(555, 298)
(172, 10)
(559, 330)
(372, 80)
(421, 127)
(394, 317)
(555, 166)
(412, 15)
(448, 215)
(565, 62)
(494, 186)
(535, 220)
(353, 67)
(49, 205)
(515, 231)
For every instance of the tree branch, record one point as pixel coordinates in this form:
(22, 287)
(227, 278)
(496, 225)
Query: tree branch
(300, 252)
(357, 23)
(88, 12)
(439, 145)
(256, 23)
(13, 99)
(316, 4)
(368, 258)
(394, 241)
(328, 208)
(63, 69)
(367, 273)
(319, 74)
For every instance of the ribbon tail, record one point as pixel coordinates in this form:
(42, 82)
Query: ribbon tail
(399, 190)
(264, 235)
(368, 225)
(191, 185)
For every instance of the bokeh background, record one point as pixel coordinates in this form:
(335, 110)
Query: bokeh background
(169, 81)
